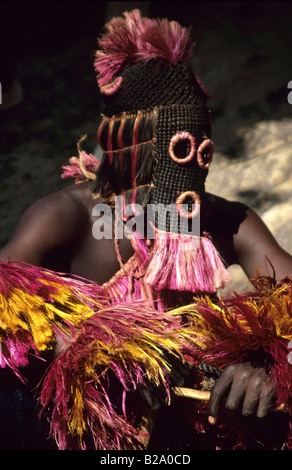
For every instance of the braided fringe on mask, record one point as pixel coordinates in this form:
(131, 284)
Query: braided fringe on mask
(128, 146)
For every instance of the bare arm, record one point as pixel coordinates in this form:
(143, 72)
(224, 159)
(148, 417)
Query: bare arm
(48, 227)
(257, 250)
(45, 236)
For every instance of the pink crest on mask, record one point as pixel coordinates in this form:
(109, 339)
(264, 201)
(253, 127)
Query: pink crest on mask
(131, 39)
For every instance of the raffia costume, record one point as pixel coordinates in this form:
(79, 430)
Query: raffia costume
(155, 137)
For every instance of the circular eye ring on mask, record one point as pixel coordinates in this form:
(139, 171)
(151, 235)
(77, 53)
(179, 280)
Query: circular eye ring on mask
(182, 135)
(181, 211)
(205, 164)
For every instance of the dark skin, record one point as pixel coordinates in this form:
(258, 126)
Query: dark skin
(56, 233)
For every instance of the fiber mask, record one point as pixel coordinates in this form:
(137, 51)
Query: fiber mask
(155, 137)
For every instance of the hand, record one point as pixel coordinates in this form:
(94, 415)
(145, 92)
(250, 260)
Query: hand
(246, 388)
(180, 372)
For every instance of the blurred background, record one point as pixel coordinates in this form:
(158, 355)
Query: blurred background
(49, 98)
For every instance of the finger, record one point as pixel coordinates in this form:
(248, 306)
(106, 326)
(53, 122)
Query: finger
(236, 395)
(250, 403)
(253, 393)
(258, 397)
(266, 401)
(218, 393)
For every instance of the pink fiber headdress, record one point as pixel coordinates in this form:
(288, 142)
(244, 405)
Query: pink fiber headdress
(133, 39)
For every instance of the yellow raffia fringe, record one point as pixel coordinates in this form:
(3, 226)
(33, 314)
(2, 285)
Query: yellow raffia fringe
(31, 313)
(144, 349)
(76, 422)
(274, 306)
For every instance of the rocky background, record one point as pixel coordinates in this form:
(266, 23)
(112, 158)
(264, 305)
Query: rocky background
(243, 57)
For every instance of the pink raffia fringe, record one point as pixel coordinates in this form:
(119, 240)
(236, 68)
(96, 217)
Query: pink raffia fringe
(126, 341)
(81, 168)
(132, 38)
(34, 302)
(234, 329)
(253, 327)
(185, 263)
